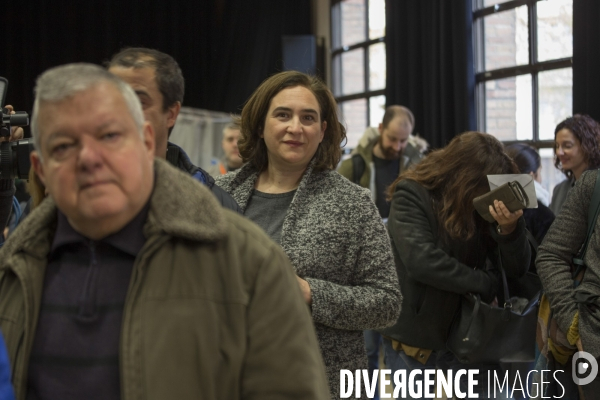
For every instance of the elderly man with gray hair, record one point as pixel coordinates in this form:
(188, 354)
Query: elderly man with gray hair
(117, 287)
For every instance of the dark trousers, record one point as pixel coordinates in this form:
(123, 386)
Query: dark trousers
(373, 341)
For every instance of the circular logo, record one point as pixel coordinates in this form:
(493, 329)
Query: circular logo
(584, 368)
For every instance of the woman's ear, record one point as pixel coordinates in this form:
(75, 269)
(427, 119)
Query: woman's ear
(323, 129)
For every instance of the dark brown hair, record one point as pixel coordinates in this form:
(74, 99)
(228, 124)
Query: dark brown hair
(587, 131)
(526, 157)
(169, 78)
(252, 147)
(455, 175)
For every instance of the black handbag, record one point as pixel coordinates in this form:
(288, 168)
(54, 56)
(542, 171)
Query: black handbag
(482, 333)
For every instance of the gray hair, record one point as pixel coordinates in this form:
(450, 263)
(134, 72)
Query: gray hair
(233, 125)
(60, 83)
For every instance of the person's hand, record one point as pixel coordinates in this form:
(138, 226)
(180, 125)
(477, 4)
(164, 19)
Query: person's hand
(494, 302)
(305, 288)
(16, 132)
(506, 220)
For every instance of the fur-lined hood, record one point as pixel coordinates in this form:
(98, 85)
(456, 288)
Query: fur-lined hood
(172, 215)
(370, 136)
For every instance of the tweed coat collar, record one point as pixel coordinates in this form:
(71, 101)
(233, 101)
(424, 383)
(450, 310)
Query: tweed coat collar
(240, 184)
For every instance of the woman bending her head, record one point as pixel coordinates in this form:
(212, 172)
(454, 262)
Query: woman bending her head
(329, 227)
(444, 249)
(528, 161)
(576, 149)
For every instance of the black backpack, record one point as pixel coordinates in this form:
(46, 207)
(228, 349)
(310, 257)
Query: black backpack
(358, 168)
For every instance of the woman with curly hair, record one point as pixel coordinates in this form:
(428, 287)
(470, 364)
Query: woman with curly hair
(444, 249)
(576, 149)
(328, 226)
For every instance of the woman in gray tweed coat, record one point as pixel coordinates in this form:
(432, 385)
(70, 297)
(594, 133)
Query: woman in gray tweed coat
(576, 310)
(329, 227)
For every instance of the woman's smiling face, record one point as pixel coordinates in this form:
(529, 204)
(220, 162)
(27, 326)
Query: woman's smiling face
(569, 151)
(293, 129)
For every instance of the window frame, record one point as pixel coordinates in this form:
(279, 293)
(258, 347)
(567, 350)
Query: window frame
(336, 75)
(533, 68)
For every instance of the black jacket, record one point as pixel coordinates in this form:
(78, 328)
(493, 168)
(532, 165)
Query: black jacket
(538, 221)
(177, 157)
(434, 272)
(7, 191)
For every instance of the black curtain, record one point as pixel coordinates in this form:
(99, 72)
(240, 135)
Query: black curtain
(225, 47)
(430, 65)
(586, 59)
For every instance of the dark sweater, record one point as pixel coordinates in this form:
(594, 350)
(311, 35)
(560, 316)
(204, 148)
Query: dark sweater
(177, 157)
(76, 345)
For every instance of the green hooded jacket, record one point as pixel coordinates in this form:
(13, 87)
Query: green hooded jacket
(213, 309)
(410, 156)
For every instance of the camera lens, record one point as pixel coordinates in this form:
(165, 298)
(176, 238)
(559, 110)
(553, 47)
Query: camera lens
(14, 159)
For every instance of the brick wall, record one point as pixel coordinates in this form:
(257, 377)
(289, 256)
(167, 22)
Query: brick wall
(354, 113)
(501, 95)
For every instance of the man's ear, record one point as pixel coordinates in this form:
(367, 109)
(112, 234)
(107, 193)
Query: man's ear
(149, 139)
(36, 164)
(172, 113)
(380, 128)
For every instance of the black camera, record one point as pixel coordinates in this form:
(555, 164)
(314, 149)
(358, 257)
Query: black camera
(14, 156)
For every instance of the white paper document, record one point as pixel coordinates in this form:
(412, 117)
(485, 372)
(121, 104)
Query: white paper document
(525, 180)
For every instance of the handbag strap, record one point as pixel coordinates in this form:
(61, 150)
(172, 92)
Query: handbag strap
(507, 303)
(532, 240)
(476, 306)
(473, 315)
(593, 210)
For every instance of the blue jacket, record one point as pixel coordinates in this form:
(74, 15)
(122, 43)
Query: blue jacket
(6, 390)
(177, 157)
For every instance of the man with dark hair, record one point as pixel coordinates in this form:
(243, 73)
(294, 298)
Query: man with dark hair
(381, 156)
(130, 281)
(157, 80)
